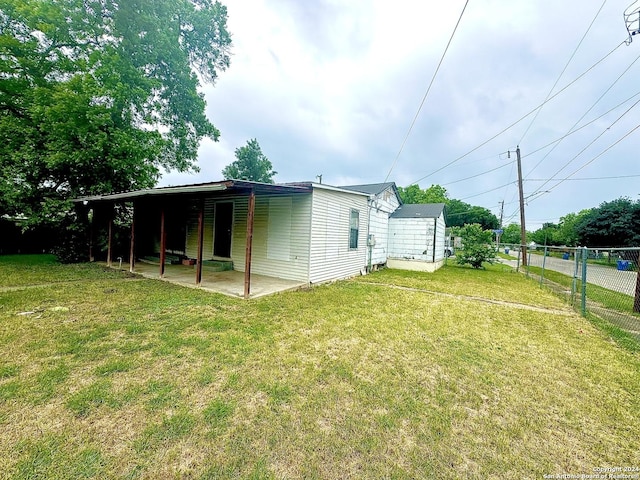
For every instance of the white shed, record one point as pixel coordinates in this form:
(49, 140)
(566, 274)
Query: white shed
(417, 237)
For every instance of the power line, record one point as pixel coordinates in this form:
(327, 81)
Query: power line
(478, 175)
(596, 157)
(589, 144)
(523, 117)
(571, 132)
(581, 179)
(543, 147)
(562, 73)
(426, 93)
(585, 113)
(488, 191)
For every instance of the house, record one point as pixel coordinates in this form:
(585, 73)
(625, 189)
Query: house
(306, 232)
(417, 237)
(404, 236)
(384, 199)
(298, 233)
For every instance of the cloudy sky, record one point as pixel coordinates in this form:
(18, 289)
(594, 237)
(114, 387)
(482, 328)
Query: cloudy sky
(331, 87)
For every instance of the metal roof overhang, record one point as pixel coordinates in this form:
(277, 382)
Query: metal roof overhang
(238, 187)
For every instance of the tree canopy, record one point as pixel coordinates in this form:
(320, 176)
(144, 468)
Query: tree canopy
(612, 224)
(250, 164)
(99, 96)
(459, 213)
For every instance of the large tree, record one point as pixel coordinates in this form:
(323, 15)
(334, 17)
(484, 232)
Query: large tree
(414, 194)
(101, 95)
(250, 164)
(612, 224)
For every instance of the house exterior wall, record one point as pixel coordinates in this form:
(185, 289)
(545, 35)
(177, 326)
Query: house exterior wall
(281, 227)
(381, 206)
(330, 256)
(440, 238)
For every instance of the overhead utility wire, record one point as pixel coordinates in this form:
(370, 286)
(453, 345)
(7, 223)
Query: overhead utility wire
(585, 113)
(566, 164)
(488, 191)
(562, 73)
(581, 127)
(477, 175)
(413, 122)
(595, 158)
(589, 144)
(544, 146)
(523, 117)
(581, 179)
(538, 190)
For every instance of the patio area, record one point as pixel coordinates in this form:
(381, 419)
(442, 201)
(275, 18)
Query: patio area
(229, 283)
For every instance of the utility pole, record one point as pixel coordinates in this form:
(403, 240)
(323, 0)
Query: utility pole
(523, 228)
(500, 227)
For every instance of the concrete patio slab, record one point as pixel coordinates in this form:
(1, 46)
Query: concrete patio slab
(229, 283)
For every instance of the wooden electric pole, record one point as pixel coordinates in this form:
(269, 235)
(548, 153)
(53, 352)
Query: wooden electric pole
(498, 235)
(523, 228)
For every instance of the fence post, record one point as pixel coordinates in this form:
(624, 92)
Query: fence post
(528, 260)
(544, 261)
(636, 299)
(518, 262)
(583, 304)
(576, 258)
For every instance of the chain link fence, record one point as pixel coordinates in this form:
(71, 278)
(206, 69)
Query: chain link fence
(596, 281)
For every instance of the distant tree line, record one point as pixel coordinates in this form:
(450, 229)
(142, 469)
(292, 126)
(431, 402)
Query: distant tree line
(458, 212)
(612, 224)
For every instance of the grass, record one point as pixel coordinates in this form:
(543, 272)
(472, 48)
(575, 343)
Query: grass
(622, 322)
(607, 298)
(457, 374)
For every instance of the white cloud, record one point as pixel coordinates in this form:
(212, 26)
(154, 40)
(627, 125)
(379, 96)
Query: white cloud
(331, 87)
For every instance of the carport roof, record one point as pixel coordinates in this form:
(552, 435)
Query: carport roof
(228, 186)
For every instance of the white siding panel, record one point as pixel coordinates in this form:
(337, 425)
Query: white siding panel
(279, 229)
(330, 255)
(411, 238)
(292, 217)
(381, 206)
(440, 238)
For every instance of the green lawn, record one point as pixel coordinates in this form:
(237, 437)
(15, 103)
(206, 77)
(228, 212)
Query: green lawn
(392, 375)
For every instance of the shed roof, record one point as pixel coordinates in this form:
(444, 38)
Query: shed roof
(419, 210)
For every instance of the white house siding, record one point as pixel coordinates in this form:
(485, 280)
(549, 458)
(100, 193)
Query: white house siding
(381, 206)
(440, 238)
(411, 238)
(280, 245)
(330, 255)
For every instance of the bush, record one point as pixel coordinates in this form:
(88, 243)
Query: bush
(476, 246)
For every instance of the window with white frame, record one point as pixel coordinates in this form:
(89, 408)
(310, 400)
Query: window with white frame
(354, 227)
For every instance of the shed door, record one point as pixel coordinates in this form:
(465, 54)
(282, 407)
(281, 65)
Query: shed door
(223, 222)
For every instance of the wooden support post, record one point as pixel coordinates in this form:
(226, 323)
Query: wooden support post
(110, 241)
(163, 242)
(132, 250)
(200, 242)
(247, 257)
(92, 220)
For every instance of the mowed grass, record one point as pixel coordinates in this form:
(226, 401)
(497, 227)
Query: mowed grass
(114, 377)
